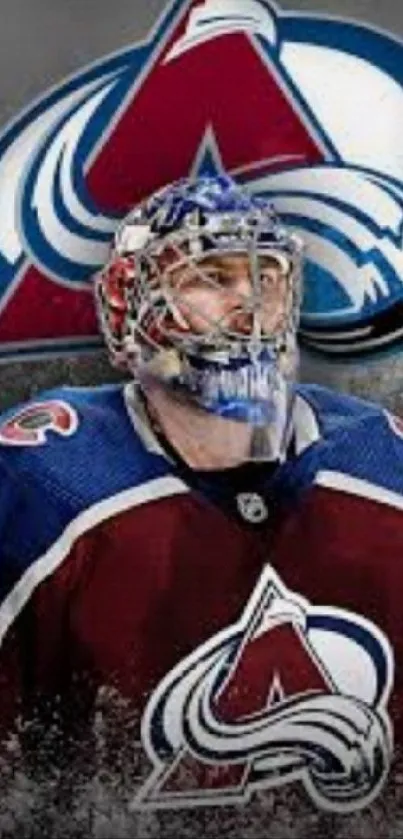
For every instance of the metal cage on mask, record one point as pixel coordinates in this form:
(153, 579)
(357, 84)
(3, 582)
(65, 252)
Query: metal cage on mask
(236, 366)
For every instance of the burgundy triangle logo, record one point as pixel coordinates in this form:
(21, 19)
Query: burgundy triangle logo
(224, 95)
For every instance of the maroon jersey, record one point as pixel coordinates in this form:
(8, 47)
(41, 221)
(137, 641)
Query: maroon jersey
(243, 628)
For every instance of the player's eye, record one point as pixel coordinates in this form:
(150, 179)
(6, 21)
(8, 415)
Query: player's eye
(271, 278)
(214, 275)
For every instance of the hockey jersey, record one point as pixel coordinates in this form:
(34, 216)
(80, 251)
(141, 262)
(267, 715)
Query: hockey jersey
(249, 624)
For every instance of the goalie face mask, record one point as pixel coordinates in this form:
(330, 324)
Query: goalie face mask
(203, 293)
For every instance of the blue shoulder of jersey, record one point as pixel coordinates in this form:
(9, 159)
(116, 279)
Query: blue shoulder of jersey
(61, 454)
(357, 438)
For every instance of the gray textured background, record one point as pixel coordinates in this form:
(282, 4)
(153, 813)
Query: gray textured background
(42, 42)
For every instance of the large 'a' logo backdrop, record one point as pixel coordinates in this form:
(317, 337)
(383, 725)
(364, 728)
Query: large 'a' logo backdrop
(305, 109)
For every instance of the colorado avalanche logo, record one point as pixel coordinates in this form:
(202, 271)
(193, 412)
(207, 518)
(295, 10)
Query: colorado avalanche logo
(31, 425)
(302, 108)
(291, 692)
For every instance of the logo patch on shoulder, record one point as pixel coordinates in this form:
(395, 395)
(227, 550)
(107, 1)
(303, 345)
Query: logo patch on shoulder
(31, 425)
(289, 693)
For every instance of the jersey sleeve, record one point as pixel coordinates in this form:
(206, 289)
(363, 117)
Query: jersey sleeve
(35, 674)
(11, 650)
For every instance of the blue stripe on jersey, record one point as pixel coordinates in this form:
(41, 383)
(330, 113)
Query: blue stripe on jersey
(43, 488)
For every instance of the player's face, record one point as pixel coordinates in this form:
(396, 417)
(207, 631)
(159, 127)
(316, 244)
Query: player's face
(219, 291)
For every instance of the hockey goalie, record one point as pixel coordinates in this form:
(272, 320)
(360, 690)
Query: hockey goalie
(212, 544)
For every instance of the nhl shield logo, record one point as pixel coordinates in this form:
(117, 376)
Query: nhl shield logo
(292, 693)
(299, 107)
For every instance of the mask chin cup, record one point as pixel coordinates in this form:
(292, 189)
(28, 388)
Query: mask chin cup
(249, 390)
(270, 441)
(253, 393)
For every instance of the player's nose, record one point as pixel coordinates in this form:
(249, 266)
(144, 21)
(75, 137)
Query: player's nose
(242, 286)
(238, 312)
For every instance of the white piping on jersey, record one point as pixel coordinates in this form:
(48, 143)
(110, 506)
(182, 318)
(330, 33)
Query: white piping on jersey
(357, 486)
(305, 424)
(140, 421)
(46, 564)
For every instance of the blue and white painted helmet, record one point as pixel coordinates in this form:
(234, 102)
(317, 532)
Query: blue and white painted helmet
(231, 365)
